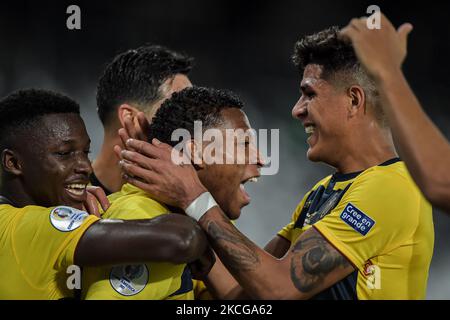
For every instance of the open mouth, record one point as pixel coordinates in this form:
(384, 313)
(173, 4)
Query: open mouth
(309, 129)
(76, 190)
(246, 196)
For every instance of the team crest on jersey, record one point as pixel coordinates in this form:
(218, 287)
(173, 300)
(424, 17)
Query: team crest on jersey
(66, 218)
(129, 280)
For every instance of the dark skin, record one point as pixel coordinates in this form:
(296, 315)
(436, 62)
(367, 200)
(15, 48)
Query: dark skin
(222, 180)
(55, 150)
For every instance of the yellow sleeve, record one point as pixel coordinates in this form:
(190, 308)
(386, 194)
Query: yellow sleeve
(201, 291)
(377, 213)
(157, 281)
(45, 239)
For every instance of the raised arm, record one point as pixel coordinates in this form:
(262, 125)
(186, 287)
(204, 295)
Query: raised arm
(168, 238)
(420, 144)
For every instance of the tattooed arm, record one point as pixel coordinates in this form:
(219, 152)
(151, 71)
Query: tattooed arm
(311, 266)
(223, 286)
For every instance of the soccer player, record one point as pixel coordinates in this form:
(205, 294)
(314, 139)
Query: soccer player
(45, 168)
(421, 145)
(215, 109)
(365, 232)
(136, 80)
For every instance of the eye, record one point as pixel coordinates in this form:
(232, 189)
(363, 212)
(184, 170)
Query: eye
(63, 153)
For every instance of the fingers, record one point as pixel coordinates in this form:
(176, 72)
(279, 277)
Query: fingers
(155, 150)
(139, 159)
(348, 33)
(403, 31)
(124, 137)
(118, 151)
(90, 205)
(130, 127)
(144, 126)
(132, 171)
(99, 196)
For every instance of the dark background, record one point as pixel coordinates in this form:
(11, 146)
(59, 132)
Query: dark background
(240, 45)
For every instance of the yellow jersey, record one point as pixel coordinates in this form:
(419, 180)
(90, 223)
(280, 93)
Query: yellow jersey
(37, 247)
(380, 221)
(148, 281)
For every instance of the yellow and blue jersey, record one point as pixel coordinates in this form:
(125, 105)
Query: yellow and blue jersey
(37, 246)
(380, 221)
(147, 281)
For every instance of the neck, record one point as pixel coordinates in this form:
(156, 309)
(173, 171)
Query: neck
(16, 195)
(367, 150)
(106, 166)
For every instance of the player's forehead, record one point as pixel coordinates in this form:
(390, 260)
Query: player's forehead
(234, 118)
(312, 77)
(54, 129)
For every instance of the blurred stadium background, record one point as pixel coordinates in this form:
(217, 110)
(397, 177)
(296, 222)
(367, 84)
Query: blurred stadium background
(244, 46)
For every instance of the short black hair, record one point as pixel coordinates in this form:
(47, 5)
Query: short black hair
(337, 57)
(135, 76)
(327, 49)
(189, 105)
(21, 109)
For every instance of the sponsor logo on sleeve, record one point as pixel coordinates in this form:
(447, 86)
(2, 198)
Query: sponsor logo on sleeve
(67, 219)
(357, 219)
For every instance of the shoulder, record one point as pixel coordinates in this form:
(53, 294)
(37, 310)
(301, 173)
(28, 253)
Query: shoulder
(132, 203)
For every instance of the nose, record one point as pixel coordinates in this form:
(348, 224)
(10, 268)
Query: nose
(83, 165)
(300, 110)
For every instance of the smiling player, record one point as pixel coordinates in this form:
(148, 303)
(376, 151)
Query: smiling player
(44, 150)
(365, 232)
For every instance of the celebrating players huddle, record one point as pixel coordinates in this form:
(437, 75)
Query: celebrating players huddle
(166, 232)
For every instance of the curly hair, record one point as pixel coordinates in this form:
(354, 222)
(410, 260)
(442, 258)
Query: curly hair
(135, 76)
(339, 62)
(189, 105)
(23, 108)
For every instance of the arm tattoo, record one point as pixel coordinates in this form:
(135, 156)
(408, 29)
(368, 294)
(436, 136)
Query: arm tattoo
(240, 252)
(312, 260)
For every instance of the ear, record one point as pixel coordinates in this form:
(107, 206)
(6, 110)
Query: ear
(196, 154)
(357, 103)
(126, 110)
(11, 162)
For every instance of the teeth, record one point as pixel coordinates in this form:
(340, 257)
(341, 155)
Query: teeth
(309, 129)
(76, 186)
(76, 189)
(254, 179)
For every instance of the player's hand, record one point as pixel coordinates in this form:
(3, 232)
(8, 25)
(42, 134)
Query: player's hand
(380, 51)
(201, 267)
(95, 196)
(136, 127)
(149, 166)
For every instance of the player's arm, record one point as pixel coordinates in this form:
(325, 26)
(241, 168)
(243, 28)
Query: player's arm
(222, 285)
(311, 266)
(421, 145)
(168, 238)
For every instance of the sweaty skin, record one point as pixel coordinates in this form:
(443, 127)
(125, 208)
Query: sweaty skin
(55, 150)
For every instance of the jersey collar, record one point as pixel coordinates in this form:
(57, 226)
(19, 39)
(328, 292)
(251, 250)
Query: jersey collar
(339, 177)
